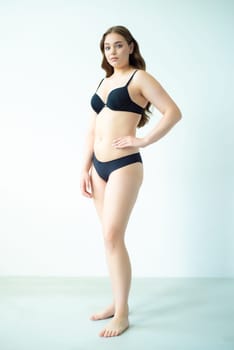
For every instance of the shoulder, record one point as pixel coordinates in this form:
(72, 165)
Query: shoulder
(145, 81)
(143, 76)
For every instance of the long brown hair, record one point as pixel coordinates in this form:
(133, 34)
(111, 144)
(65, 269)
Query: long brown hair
(135, 60)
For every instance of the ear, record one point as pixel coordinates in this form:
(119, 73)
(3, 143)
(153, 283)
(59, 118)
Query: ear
(131, 47)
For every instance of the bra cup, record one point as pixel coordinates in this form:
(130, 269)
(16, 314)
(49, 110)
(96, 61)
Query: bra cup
(117, 100)
(97, 104)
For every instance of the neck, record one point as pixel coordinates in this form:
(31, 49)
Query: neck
(122, 70)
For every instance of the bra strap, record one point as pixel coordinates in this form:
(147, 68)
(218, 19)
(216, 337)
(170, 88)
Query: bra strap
(99, 84)
(131, 77)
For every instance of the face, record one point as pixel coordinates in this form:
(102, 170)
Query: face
(117, 50)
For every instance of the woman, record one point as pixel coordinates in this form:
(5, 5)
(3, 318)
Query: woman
(112, 170)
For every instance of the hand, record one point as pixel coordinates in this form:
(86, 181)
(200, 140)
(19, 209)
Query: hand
(128, 141)
(85, 185)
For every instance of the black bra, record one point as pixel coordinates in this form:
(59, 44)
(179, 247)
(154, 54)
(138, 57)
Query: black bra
(117, 100)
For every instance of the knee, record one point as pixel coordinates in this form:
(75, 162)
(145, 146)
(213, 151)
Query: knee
(112, 239)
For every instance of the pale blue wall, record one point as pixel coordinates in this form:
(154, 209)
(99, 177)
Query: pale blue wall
(49, 67)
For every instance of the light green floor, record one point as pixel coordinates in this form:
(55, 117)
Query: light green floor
(53, 314)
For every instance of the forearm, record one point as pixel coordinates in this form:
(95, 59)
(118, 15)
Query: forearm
(165, 124)
(88, 153)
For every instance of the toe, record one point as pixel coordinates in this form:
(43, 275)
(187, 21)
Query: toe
(102, 333)
(106, 334)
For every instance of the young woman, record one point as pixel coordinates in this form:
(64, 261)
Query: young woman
(112, 169)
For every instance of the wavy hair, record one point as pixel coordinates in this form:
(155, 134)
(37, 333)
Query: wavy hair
(135, 60)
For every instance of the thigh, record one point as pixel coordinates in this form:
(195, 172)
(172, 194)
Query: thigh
(98, 190)
(120, 195)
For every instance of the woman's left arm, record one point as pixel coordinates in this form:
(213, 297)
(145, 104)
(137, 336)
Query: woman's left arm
(154, 93)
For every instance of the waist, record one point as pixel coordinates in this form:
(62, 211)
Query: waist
(105, 151)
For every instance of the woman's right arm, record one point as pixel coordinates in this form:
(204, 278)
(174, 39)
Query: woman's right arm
(85, 183)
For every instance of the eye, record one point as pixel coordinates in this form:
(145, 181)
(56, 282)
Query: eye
(107, 48)
(119, 46)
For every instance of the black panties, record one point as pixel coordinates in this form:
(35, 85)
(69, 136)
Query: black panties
(104, 169)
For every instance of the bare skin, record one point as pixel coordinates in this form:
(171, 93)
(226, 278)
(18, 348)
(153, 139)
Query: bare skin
(110, 198)
(107, 313)
(115, 327)
(111, 135)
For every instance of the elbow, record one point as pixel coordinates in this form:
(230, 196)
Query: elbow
(174, 114)
(177, 114)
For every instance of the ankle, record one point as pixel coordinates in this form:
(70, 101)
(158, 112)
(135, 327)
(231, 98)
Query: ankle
(122, 312)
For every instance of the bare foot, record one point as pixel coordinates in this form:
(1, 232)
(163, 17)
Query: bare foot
(109, 312)
(115, 327)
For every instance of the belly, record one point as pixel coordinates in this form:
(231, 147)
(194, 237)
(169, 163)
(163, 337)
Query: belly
(109, 126)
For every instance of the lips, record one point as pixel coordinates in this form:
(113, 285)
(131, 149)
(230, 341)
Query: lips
(114, 58)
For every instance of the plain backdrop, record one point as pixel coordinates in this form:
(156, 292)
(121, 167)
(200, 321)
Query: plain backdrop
(182, 224)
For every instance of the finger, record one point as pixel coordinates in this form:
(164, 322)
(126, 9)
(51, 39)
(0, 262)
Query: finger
(87, 183)
(86, 194)
(118, 139)
(84, 190)
(119, 142)
(88, 187)
(115, 143)
(120, 145)
(124, 144)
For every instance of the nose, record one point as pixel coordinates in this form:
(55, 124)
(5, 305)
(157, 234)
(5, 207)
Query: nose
(112, 50)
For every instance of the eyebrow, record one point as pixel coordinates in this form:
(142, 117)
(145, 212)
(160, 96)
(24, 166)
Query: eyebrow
(116, 42)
